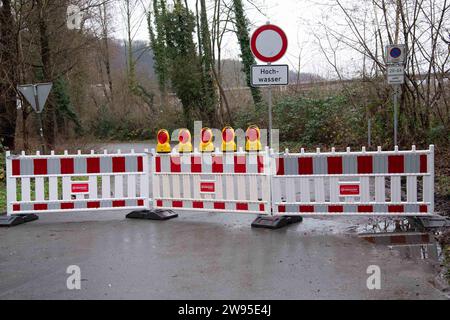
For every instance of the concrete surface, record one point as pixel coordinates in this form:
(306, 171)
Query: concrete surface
(202, 256)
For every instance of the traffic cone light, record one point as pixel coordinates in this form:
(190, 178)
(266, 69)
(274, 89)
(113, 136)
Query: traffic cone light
(163, 138)
(253, 137)
(228, 143)
(185, 145)
(206, 144)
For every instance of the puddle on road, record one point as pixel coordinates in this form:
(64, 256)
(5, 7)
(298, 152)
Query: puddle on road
(403, 236)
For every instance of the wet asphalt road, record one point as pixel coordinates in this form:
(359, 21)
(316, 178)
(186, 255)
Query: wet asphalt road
(201, 256)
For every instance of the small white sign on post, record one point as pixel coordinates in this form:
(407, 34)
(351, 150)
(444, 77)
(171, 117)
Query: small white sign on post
(396, 74)
(265, 75)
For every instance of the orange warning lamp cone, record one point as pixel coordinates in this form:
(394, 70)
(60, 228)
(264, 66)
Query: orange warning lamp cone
(163, 138)
(206, 144)
(228, 137)
(253, 137)
(185, 145)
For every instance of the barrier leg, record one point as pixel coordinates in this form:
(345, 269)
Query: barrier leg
(155, 214)
(275, 222)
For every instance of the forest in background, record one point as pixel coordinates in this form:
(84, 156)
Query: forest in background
(125, 89)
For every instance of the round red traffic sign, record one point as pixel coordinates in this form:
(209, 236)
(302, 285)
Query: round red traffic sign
(269, 43)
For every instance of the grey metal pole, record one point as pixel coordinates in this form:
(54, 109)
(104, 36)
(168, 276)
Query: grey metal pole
(41, 130)
(396, 89)
(270, 115)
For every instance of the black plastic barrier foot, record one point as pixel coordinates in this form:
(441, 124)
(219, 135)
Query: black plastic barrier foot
(17, 219)
(159, 215)
(272, 222)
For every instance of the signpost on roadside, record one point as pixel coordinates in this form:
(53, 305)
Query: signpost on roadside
(269, 44)
(395, 58)
(36, 95)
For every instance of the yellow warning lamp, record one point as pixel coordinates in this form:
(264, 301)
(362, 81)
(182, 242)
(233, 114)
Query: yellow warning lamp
(253, 137)
(206, 144)
(163, 138)
(228, 143)
(185, 145)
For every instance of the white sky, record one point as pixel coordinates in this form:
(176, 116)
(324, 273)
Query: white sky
(293, 16)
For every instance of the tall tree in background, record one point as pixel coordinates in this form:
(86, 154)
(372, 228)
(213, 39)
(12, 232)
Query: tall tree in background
(209, 92)
(8, 76)
(242, 31)
(158, 45)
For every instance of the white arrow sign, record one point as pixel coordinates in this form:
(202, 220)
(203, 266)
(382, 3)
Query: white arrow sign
(36, 94)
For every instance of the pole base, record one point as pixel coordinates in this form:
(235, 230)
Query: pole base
(278, 222)
(17, 219)
(156, 215)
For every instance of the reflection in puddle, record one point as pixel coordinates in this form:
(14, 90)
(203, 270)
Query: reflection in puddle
(404, 236)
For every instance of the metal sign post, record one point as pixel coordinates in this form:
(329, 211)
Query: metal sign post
(36, 95)
(269, 44)
(396, 57)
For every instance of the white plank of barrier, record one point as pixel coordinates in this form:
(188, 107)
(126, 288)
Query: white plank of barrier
(380, 190)
(39, 189)
(411, 189)
(26, 189)
(396, 190)
(305, 192)
(131, 186)
(319, 190)
(334, 189)
(106, 187)
(118, 186)
(365, 189)
(53, 188)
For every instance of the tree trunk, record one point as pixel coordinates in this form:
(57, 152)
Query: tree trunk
(8, 77)
(242, 28)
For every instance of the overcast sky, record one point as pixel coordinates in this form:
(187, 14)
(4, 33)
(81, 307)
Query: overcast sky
(295, 17)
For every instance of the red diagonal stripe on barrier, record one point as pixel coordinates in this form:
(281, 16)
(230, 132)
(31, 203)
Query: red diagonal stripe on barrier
(281, 208)
(396, 164)
(262, 207)
(67, 166)
(240, 164)
(93, 165)
(119, 203)
(423, 163)
(16, 167)
(423, 209)
(305, 166)
(93, 204)
(175, 164)
(16, 207)
(140, 164)
(40, 207)
(365, 209)
(335, 209)
(334, 165)
(118, 164)
(40, 166)
(197, 205)
(219, 205)
(177, 204)
(217, 164)
(365, 165)
(242, 206)
(67, 206)
(158, 164)
(159, 203)
(396, 209)
(280, 166)
(196, 164)
(306, 209)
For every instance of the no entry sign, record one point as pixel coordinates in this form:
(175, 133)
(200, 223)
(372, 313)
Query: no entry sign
(269, 43)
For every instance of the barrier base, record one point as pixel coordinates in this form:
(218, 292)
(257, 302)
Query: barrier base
(18, 219)
(158, 215)
(271, 222)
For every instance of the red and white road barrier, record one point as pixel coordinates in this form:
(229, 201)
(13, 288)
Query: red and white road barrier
(81, 182)
(334, 183)
(354, 183)
(231, 182)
